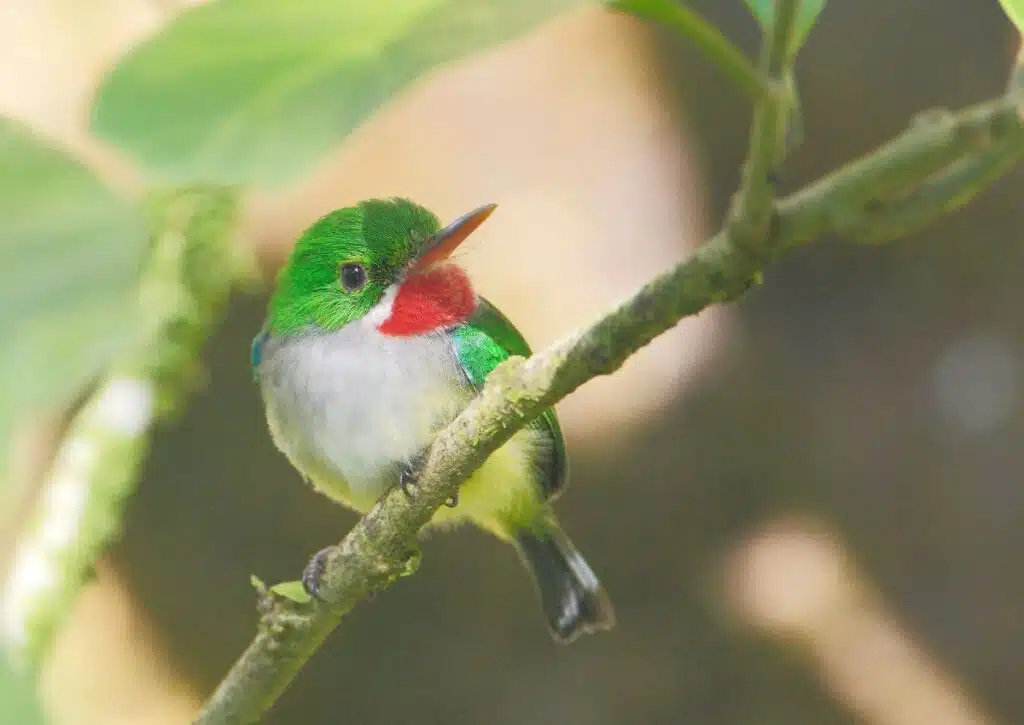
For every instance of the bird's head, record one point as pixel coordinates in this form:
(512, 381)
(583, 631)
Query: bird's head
(384, 260)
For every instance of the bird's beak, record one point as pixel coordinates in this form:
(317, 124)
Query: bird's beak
(445, 241)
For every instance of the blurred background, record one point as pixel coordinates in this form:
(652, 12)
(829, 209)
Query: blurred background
(805, 506)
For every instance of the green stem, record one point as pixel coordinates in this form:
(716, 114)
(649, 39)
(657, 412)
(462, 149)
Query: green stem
(709, 39)
(840, 200)
(184, 288)
(750, 214)
(947, 192)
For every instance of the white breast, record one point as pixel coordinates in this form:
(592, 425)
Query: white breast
(350, 408)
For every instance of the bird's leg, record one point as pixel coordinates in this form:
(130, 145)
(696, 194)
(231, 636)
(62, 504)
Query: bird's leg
(314, 572)
(409, 473)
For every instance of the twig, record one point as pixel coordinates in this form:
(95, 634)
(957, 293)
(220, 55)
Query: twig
(955, 185)
(750, 214)
(941, 195)
(379, 547)
(183, 291)
(935, 142)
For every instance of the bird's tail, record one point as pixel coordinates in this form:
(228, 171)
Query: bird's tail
(573, 599)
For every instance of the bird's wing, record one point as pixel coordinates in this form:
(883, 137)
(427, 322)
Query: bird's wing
(483, 342)
(256, 352)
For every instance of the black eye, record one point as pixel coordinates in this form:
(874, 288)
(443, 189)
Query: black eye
(353, 276)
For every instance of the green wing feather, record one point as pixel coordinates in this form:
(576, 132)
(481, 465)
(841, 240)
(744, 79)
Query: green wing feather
(483, 342)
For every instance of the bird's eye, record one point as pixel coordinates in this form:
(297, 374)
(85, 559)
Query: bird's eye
(353, 276)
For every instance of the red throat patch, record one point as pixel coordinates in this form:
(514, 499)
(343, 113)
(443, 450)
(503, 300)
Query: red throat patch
(440, 297)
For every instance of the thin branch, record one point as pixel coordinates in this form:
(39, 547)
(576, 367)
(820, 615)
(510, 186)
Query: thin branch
(381, 546)
(932, 145)
(751, 209)
(183, 291)
(708, 38)
(939, 196)
(956, 185)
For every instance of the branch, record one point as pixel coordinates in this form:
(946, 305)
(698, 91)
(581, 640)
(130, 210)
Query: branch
(183, 290)
(382, 545)
(934, 145)
(946, 192)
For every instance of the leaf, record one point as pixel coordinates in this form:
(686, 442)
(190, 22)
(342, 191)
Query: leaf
(241, 91)
(764, 11)
(70, 252)
(18, 701)
(1014, 10)
(292, 590)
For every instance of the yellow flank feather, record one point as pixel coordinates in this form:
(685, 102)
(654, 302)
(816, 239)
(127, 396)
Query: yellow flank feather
(502, 496)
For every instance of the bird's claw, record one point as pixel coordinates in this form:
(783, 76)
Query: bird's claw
(407, 482)
(314, 572)
(409, 474)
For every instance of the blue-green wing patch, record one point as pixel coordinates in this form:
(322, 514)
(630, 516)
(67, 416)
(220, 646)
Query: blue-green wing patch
(256, 352)
(482, 343)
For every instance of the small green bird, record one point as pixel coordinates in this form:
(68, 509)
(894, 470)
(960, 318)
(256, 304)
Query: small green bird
(374, 341)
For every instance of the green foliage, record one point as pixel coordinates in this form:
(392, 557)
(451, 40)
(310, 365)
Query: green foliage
(681, 19)
(191, 271)
(70, 253)
(1014, 9)
(18, 702)
(259, 90)
(764, 11)
(292, 590)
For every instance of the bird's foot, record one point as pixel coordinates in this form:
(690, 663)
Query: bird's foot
(409, 474)
(314, 572)
(407, 482)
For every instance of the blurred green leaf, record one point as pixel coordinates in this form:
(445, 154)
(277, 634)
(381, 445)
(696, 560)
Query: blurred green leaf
(243, 91)
(70, 252)
(1014, 9)
(18, 702)
(764, 11)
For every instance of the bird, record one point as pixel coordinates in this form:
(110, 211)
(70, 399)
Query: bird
(375, 340)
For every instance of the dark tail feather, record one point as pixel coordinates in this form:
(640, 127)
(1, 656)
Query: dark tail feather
(573, 599)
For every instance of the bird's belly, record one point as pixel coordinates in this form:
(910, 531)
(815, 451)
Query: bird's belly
(351, 416)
